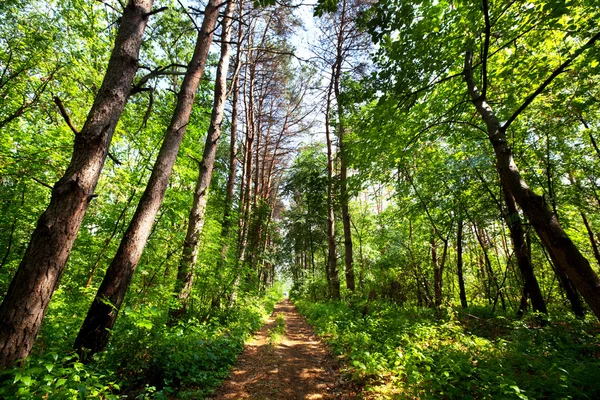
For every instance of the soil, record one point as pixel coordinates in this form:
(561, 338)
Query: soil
(296, 365)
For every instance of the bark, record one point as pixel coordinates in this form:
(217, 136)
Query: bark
(459, 265)
(187, 264)
(227, 222)
(437, 277)
(348, 259)
(562, 250)
(487, 269)
(101, 317)
(24, 306)
(438, 269)
(235, 87)
(567, 286)
(522, 253)
(248, 165)
(332, 272)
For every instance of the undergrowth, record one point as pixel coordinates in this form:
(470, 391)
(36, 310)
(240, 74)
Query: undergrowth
(278, 331)
(404, 352)
(146, 359)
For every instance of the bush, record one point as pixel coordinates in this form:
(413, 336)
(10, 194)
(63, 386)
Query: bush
(146, 359)
(413, 354)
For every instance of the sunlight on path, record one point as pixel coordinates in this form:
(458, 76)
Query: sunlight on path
(297, 366)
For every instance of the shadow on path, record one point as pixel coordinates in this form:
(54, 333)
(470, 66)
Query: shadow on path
(297, 367)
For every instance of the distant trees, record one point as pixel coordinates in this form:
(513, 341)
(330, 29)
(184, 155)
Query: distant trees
(463, 223)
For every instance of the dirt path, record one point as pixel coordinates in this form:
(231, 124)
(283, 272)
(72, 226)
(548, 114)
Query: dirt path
(298, 366)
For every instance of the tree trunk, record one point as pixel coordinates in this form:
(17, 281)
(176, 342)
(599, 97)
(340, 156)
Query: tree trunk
(332, 272)
(28, 296)
(235, 87)
(437, 273)
(562, 250)
(567, 286)
(187, 264)
(348, 258)
(248, 165)
(459, 265)
(101, 317)
(517, 235)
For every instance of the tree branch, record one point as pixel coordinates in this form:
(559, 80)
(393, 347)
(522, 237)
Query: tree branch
(561, 68)
(486, 48)
(65, 115)
(158, 10)
(67, 119)
(41, 183)
(160, 71)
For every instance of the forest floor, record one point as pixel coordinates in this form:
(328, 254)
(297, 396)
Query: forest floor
(290, 366)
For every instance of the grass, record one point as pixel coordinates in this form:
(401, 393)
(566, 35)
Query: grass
(277, 332)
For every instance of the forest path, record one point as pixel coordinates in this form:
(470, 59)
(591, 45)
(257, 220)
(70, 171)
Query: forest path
(297, 366)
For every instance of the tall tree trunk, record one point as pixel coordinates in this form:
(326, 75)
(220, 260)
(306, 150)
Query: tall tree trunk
(28, 296)
(489, 271)
(187, 264)
(227, 222)
(248, 166)
(562, 250)
(459, 265)
(101, 317)
(332, 272)
(235, 87)
(517, 235)
(348, 257)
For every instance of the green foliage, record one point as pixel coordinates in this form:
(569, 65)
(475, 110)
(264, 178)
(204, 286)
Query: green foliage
(146, 358)
(419, 355)
(58, 377)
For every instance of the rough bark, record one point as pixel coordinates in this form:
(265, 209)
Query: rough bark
(187, 264)
(24, 306)
(101, 317)
(522, 254)
(562, 250)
